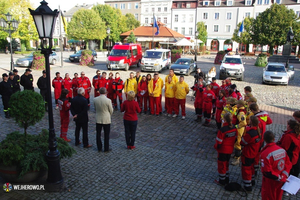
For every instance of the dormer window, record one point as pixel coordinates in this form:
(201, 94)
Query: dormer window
(217, 3)
(278, 1)
(229, 2)
(248, 2)
(205, 3)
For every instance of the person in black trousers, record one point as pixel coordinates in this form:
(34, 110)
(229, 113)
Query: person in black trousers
(42, 85)
(6, 92)
(16, 81)
(27, 80)
(79, 110)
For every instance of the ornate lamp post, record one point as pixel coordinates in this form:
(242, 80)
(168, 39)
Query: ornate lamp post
(45, 20)
(12, 27)
(196, 38)
(108, 33)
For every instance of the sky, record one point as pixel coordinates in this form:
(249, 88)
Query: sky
(65, 5)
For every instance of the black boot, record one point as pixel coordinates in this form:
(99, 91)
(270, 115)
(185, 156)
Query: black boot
(6, 115)
(219, 125)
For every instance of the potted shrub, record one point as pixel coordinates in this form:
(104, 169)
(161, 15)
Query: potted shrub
(23, 156)
(175, 54)
(261, 60)
(86, 58)
(220, 55)
(38, 61)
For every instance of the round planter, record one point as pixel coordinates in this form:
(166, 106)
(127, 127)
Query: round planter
(11, 174)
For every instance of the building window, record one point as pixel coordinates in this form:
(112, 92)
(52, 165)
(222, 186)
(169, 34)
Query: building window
(129, 6)
(298, 13)
(256, 14)
(136, 16)
(216, 28)
(278, 1)
(146, 20)
(217, 16)
(259, 2)
(159, 9)
(248, 2)
(183, 18)
(179, 5)
(159, 19)
(182, 30)
(205, 15)
(266, 2)
(190, 31)
(116, 5)
(151, 19)
(176, 18)
(227, 28)
(217, 3)
(205, 3)
(136, 5)
(165, 9)
(188, 5)
(146, 9)
(247, 14)
(122, 6)
(191, 18)
(165, 20)
(176, 29)
(228, 15)
(153, 9)
(229, 3)
(205, 27)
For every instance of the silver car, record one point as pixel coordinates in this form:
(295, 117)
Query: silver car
(27, 60)
(277, 73)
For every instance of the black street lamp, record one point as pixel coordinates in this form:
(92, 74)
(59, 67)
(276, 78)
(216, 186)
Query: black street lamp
(196, 38)
(108, 33)
(12, 27)
(45, 20)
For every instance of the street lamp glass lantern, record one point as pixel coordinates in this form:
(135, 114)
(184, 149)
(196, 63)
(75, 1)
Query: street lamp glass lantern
(108, 30)
(15, 24)
(45, 20)
(3, 23)
(8, 17)
(196, 33)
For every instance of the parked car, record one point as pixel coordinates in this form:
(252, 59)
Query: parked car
(184, 66)
(232, 66)
(277, 73)
(27, 60)
(123, 56)
(76, 57)
(156, 60)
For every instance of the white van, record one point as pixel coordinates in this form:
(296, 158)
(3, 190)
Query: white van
(156, 60)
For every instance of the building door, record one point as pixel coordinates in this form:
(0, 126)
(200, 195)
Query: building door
(215, 45)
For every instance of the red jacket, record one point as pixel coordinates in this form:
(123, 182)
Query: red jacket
(109, 85)
(75, 86)
(131, 109)
(96, 80)
(224, 87)
(215, 88)
(264, 119)
(251, 142)
(221, 103)
(275, 163)
(86, 84)
(102, 83)
(64, 107)
(143, 85)
(199, 93)
(227, 86)
(208, 96)
(239, 95)
(225, 139)
(58, 86)
(291, 143)
(117, 84)
(233, 94)
(68, 85)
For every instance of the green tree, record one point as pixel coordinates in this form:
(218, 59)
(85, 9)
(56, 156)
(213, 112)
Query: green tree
(271, 26)
(131, 38)
(202, 32)
(245, 37)
(131, 22)
(86, 25)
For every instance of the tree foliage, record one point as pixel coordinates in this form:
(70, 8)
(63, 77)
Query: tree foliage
(131, 21)
(246, 35)
(86, 25)
(131, 38)
(202, 32)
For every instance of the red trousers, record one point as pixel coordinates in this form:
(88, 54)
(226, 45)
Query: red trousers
(110, 95)
(271, 189)
(223, 167)
(218, 115)
(96, 93)
(155, 102)
(247, 170)
(207, 106)
(64, 124)
(160, 109)
(116, 95)
(169, 105)
(143, 99)
(181, 103)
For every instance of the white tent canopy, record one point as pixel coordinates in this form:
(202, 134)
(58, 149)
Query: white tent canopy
(184, 42)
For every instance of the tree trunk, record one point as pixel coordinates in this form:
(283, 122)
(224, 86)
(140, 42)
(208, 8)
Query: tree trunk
(101, 44)
(271, 50)
(247, 48)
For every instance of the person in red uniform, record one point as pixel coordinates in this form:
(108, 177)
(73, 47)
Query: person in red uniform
(228, 84)
(75, 84)
(208, 99)
(275, 167)
(224, 145)
(198, 104)
(231, 91)
(110, 91)
(96, 83)
(57, 84)
(224, 87)
(85, 83)
(220, 104)
(143, 93)
(117, 87)
(296, 116)
(64, 107)
(290, 141)
(67, 82)
(103, 81)
(149, 78)
(251, 143)
(215, 88)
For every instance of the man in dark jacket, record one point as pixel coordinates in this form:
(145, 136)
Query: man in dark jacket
(79, 110)
(42, 85)
(6, 92)
(27, 80)
(16, 81)
(13, 85)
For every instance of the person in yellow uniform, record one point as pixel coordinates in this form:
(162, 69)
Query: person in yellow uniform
(154, 89)
(173, 76)
(130, 84)
(181, 90)
(170, 96)
(240, 126)
(229, 108)
(250, 101)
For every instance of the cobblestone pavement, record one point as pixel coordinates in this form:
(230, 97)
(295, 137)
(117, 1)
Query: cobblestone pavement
(174, 158)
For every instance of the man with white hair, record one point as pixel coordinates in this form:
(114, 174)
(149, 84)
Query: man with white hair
(79, 110)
